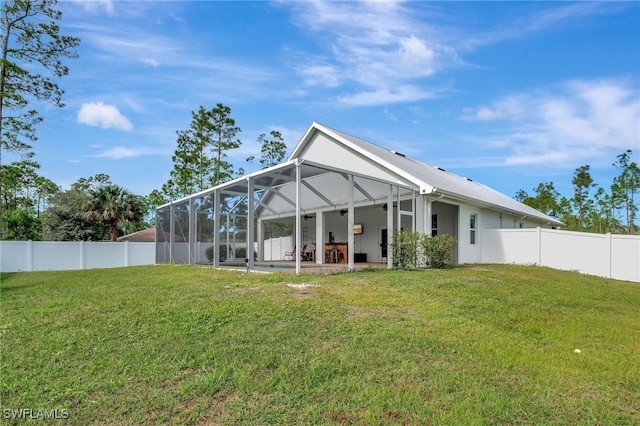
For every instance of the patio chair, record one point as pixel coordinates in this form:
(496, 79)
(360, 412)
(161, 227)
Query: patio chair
(290, 255)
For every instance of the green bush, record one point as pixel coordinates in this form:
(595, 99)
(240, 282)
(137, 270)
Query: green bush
(438, 249)
(406, 249)
(413, 249)
(223, 253)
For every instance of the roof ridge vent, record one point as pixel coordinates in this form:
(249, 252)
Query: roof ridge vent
(440, 168)
(398, 153)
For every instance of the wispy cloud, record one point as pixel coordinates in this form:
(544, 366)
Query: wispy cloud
(96, 6)
(103, 115)
(527, 21)
(377, 45)
(120, 152)
(387, 95)
(580, 120)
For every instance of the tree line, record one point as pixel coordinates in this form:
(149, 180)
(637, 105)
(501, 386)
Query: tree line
(32, 207)
(593, 208)
(94, 208)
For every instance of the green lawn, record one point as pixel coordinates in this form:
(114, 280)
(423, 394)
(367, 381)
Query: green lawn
(185, 345)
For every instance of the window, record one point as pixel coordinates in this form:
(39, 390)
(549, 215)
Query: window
(434, 225)
(472, 228)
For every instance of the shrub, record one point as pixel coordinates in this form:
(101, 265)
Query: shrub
(438, 249)
(223, 253)
(412, 250)
(406, 249)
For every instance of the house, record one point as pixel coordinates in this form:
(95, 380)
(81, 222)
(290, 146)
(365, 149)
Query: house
(343, 197)
(144, 236)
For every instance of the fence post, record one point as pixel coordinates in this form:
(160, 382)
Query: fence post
(539, 231)
(29, 255)
(126, 253)
(609, 249)
(81, 255)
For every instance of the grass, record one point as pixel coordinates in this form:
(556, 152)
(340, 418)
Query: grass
(177, 345)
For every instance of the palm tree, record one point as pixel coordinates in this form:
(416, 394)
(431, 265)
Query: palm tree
(112, 205)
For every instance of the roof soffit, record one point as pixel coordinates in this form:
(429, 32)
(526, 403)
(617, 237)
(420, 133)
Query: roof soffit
(322, 146)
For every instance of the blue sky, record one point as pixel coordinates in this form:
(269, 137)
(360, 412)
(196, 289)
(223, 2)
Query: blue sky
(508, 94)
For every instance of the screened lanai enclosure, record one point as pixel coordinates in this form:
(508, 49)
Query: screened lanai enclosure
(312, 212)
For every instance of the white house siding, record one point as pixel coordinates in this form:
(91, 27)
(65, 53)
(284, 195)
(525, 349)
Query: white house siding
(467, 252)
(373, 221)
(447, 218)
(324, 150)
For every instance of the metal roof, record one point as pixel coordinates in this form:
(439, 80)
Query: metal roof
(433, 179)
(323, 185)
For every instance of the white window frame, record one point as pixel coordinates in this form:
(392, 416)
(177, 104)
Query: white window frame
(473, 228)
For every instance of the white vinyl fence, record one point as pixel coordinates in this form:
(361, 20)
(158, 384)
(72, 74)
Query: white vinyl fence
(62, 255)
(604, 255)
(274, 248)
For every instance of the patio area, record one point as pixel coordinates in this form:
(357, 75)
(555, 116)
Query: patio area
(284, 266)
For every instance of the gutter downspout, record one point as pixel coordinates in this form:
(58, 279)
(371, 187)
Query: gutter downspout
(518, 220)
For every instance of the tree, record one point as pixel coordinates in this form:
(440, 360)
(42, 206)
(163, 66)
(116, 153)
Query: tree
(582, 183)
(112, 206)
(192, 166)
(224, 139)
(625, 186)
(199, 161)
(64, 218)
(26, 194)
(21, 224)
(31, 42)
(545, 200)
(273, 150)
(18, 181)
(603, 218)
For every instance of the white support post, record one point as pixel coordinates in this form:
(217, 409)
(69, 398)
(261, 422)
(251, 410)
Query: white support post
(216, 228)
(260, 232)
(298, 243)
(250, 225)
(389, 228)
(398, 211)
(172, 232)
(192, 232)
(126, 253)
(319, 237)
(350, 223)
(428, 213)
(413, 211)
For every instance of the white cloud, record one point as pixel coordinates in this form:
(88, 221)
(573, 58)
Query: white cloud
(580, 120)
(119, 152)
(97, 6)
(380, 46)
(509, 107)
(384, 96)
(323, 75)
(103, 115)
(151, 62)
(561, 14)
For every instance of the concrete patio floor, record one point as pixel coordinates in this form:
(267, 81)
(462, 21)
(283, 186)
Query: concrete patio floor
(306, 267)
